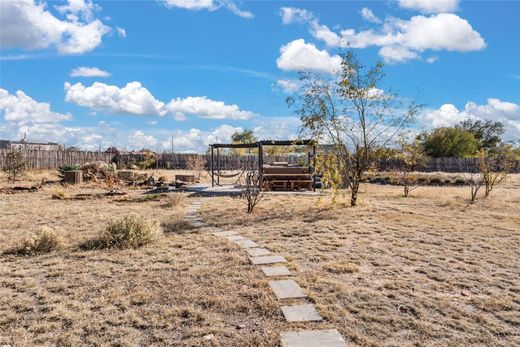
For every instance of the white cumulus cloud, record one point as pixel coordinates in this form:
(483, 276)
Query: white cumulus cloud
(23, 109)
(298, 55)
(121, 31)
(430, 6)
(28, 24)
(130, 99)
(203, 107)
(210, 5)
(369, 16)
(400, 40)
(289, 86)
(292, 15)
(86, 71)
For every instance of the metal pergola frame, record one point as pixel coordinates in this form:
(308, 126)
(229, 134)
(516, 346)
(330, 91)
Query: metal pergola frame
(259, 145)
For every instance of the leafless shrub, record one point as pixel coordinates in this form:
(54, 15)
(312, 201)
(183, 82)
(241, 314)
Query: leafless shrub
(412, 157)
(251, 191)
(195, 163)
(494, 169)
(474, 180)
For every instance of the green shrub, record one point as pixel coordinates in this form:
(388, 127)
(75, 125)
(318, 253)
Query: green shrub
(67, 168)
(129, 232)
(435, 181)
(459, 181)
(44, 241)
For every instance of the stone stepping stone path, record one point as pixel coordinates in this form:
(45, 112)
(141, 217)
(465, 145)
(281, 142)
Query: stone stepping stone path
(301, 313)
(246, 243)
(268, 259)
(312, 338)
(271, 271)
(283, 289)
(257, 252)
(287, 289)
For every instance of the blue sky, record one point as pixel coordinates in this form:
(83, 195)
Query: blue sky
(134, 73)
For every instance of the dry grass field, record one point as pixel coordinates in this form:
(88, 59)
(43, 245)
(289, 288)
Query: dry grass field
(423, 270)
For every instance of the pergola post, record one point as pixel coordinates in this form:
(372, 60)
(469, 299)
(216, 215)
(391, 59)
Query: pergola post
(218, 166)
(313, 166)
(212, 169)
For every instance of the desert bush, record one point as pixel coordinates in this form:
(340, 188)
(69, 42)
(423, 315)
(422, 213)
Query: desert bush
(129, 232)
(14, 165)
(174, 200)
(435, 181)
(459, 181)
(149, 161)
(43, 241)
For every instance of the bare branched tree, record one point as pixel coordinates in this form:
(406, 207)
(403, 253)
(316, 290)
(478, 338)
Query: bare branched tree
(473, 179)
(412, 158)
(352, 113)
(494, 167)
(196, 163)
(251, 190)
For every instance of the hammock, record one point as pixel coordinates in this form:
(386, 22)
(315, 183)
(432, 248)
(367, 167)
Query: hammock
(230, 175)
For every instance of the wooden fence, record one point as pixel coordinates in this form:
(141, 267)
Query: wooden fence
(42, 159)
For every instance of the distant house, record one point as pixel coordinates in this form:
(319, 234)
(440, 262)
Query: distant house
(25, 145)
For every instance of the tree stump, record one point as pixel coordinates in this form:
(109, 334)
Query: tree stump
(73, 177)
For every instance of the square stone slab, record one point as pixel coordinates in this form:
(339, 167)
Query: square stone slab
(224, 233)
(235, 238)
(256, 252)
(287, 289)
(268, 259)
(246, 243)
(301, 313)
(312, 338)
(275, 271)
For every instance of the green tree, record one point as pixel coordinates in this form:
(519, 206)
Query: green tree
(449, 142)
(487, 133)
(353, 114)
(244, 136)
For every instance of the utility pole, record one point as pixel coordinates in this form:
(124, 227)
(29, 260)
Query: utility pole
(172, 144)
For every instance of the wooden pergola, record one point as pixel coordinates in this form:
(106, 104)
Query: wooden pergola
(215, 157)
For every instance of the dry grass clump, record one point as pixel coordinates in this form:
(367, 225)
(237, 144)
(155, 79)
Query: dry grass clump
(177, 225)
(174, 200)
(341, 267)
(58, 195)
(129, 232)
(43, 241)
